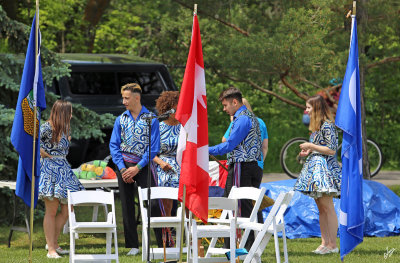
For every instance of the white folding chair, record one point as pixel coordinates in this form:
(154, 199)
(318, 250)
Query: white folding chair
(250, 193)
(273, 224)
(161, 222)
(216, 230)
(109, 227)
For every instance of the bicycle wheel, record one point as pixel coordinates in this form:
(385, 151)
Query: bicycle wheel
(291, 162)
(375, 157)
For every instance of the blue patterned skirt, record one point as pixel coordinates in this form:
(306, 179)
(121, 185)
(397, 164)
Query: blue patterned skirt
(168, 178)
(321, 175)
(56, 178)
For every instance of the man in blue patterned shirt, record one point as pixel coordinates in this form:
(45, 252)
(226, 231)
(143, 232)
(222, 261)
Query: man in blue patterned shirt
(243, 147)
(129, 148)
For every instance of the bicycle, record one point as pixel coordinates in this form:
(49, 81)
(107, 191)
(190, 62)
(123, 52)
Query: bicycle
(292, 163)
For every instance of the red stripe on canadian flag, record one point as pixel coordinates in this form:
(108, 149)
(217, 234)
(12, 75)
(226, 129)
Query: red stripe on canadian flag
(193, 138)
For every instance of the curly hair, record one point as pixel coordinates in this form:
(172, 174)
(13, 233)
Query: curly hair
(167, 101)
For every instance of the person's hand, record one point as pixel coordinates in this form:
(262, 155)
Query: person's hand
(304, 153)
(44, 154)
(307, 146)
(165, 166)
(129, 174)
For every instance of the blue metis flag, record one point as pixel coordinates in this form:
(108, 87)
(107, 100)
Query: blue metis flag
(348, 119)
(31, 94)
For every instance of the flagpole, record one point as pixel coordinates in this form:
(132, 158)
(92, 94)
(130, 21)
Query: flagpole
(182, 225)
(34, 140)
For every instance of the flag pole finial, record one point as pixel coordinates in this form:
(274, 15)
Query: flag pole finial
(354, 8)
(195, 10)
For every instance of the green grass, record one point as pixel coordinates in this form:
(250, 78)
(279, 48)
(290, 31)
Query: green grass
(372, 250)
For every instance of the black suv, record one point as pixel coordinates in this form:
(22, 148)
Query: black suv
(95, 83)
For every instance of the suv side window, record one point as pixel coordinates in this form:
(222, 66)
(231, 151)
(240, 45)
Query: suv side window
(92, 83)
(150, 82)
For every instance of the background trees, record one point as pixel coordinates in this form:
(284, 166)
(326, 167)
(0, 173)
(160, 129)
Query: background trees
(277, 52)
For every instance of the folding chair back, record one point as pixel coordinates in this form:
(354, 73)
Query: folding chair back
(250, 193)
(216, 231)
(109, 227)
(273, 224)
(161, 222)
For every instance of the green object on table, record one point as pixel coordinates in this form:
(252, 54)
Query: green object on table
(76, 174)
(96, 163)
(103, 164)
(84, 174)
(91, 175)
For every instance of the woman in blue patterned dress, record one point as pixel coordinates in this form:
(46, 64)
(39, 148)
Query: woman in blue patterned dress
(168, 169)
(321, 175)
(56, 176)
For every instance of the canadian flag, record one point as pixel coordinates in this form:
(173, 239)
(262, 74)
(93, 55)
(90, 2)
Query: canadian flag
(191, 112)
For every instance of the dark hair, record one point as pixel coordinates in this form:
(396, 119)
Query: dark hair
(230, 94)
(132, 87)
(320, 112)
(167, 101)
(60, 118)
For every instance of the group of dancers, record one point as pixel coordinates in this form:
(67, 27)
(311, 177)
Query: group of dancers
(245, 143)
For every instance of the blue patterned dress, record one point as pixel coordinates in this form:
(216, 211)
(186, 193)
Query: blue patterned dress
(56, 176)
(321, 174)
(169, 135)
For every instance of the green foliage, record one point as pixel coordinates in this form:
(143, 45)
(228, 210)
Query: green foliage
(85, 123)
(251, 45)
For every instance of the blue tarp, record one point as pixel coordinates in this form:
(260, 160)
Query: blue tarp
(381, 210)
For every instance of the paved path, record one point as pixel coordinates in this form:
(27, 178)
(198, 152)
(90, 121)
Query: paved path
(385, 177)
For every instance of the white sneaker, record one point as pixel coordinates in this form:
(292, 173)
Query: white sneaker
(133, 252)
(59, 250)
(56, 256)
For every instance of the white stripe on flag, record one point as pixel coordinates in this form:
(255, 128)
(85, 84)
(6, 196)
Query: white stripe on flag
(202, 157)
(360, 166)
(36, 77)
(181, 145)
(353, 91)
(342, 218)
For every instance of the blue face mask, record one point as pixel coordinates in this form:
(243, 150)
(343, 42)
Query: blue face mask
(306, 119)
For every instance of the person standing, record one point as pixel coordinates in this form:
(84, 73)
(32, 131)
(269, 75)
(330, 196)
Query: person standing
(264, 135)
(129, 148)
(243, 148)
(56, 175)
(320, 177)
(168, 169)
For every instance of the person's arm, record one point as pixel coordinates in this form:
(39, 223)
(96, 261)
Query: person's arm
(264, 148)
(115, 143)
(308, 146)
(155, 144)
(226, 135)
(329, 134)
(164, 165)
(240, 130)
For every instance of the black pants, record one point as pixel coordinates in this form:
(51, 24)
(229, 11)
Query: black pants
(127, 195)
(251, 175)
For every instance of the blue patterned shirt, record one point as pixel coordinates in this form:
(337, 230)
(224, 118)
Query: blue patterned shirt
(244, 142)
(132, 136)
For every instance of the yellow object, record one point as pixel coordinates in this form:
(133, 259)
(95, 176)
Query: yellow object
(98, 170)
(84, 167)
(214, 213)
(90, 167)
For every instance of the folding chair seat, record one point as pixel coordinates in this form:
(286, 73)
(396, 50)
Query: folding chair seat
(251, 193)
(216, 230)
(273, 224)
(161, 222)
(108, 227)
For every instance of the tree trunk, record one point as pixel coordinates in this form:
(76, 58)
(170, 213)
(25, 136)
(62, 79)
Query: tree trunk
(363, 19)
(93, 12)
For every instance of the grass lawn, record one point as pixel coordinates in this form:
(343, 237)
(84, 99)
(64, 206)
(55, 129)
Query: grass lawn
(372, 250)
